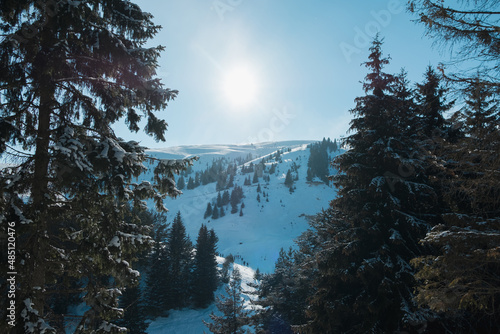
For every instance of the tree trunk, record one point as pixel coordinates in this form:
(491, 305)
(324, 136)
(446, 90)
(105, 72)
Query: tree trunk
(39, 240)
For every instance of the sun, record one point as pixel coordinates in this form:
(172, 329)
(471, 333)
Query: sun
(240, 86)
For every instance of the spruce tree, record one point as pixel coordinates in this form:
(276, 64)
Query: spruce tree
(181, 183)
(225, 197)
(204, 277)
(215, 212)
(208, 211)
(134, 318)
(68, 72)
(234, 316)
(431, 101)
(461, 279)
(284, 293)
(179, 264)
(190, 184)
(156, 290)
(289, 179)
(255, 177)
(219, 200)
(372, 232)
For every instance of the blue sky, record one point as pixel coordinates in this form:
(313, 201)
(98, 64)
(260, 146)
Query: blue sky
(304, 59)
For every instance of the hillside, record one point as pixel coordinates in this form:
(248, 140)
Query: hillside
(266, 226)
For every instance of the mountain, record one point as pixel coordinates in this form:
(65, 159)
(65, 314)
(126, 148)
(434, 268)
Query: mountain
(267, 224)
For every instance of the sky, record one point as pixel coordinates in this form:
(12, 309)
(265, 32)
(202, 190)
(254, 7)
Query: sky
(252, 71)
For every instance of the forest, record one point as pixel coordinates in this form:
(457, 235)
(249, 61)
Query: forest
(410, 244)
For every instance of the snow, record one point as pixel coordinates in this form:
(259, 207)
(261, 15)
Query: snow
(115, 242)
(265, 227)
(190, 321)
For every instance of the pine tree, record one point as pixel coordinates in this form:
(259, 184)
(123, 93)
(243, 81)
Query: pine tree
(431, 101)
(181, 183)
(230, 183)
(234, 316)
(225, 197)
(205, 277)
(222, 212)
(69, 70)
(134, 315)
(179, 264)
(219, 200)
(380, 213)
(215, 213)
(289, 179)
(156, 291)
(461, 278)
(190, 184)
(255, 177)
(208, 211)
(272, 170)
(284, 293)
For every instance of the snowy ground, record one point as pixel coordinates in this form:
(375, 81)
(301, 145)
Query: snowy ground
(264, 228)
(189, 321)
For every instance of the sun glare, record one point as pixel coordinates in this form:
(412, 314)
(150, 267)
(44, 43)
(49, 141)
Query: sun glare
(240, 86)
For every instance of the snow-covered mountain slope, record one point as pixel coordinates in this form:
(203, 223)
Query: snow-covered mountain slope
(266, 226)
(256, 237)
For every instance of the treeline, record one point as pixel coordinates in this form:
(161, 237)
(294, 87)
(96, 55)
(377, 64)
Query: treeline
(319, 159)
(410, 244)
(175, 274)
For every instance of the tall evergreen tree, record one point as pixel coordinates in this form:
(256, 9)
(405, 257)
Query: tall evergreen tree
(179, 263)
(208, 211)
(190, 184)
(373, 229)
(134, 317)
(461, 279)
(68, 71)
(431, 101)
(156, 291)
(284, 293)
(225, 197)
(215, 212)
(255, 177)
(181, 183)
(205, 277)
(289, 179)
(234, 316)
